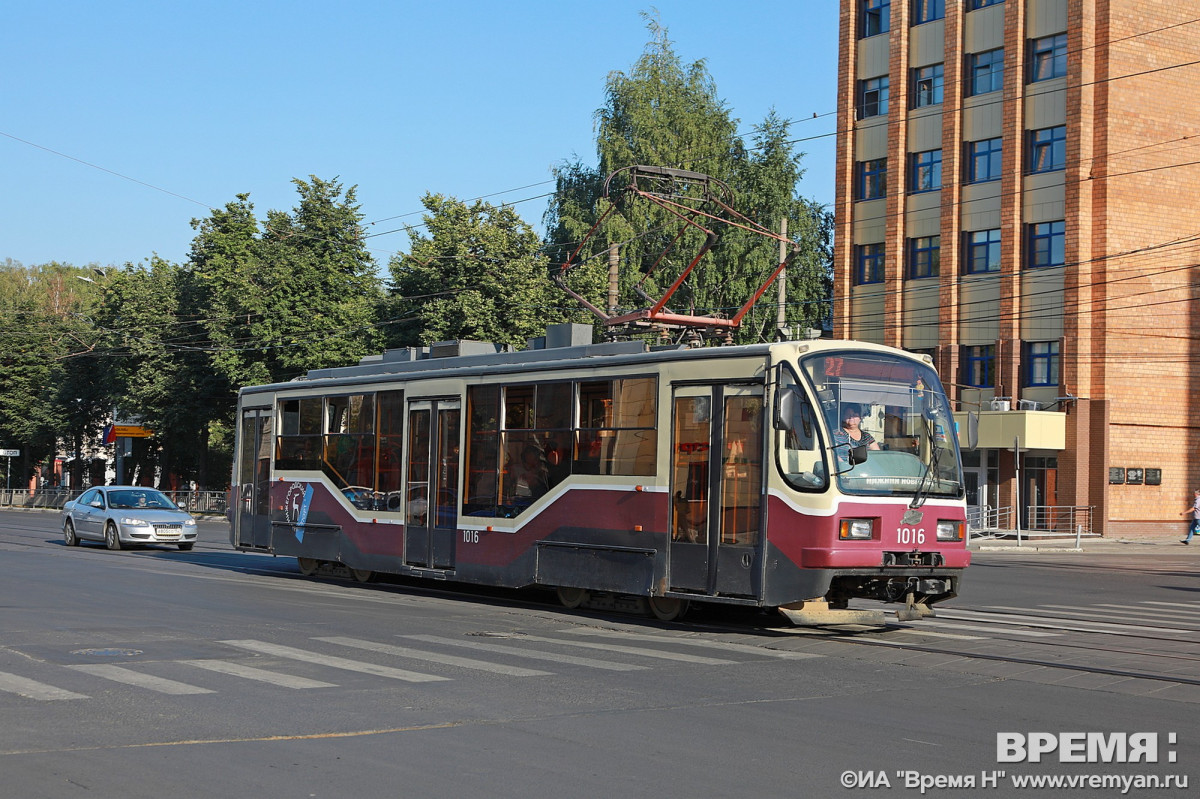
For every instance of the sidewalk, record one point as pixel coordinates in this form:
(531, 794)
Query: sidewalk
(1128, 543)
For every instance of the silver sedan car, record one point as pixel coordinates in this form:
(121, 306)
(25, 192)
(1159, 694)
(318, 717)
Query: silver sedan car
(126, 515)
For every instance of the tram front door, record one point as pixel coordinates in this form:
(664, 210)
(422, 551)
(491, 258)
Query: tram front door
(431, 498)
(716, 490)
(253, 515)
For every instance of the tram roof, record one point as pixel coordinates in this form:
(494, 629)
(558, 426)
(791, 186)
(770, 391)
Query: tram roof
(561, 348)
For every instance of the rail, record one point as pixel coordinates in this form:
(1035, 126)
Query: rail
(199, 502)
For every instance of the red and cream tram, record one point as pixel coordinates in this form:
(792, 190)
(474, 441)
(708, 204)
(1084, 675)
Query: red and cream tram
(619, 474)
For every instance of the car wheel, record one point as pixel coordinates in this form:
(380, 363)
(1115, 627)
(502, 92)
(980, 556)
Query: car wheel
(112, 539)
(69, 536)
(186, 546)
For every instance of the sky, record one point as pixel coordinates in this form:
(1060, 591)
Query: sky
(121, 122)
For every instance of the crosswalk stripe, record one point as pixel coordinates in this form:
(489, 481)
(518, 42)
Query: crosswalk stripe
(635, 650)
(1107, 619)
(130, 677)
(32, 689)
(1125, 612)
(434, 657)
(933, 633)
(534, 654)
(1055, 623)
(335, 662)
(252, 673)
(726, 646)
(1028, 633)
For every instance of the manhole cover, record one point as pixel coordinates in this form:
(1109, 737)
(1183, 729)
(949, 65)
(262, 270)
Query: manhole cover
(108, 653)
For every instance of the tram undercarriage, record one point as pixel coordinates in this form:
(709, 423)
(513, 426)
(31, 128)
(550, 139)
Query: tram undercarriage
(918, 592)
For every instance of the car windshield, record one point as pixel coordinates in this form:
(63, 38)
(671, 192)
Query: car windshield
(140, 498)
(890, 424)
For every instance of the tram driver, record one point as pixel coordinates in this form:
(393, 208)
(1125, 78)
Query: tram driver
(850, 436)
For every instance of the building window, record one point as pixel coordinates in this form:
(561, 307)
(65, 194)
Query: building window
(872, 179)
(872, 97)
(924, 256)
(983, 160)
(1048, 58)
(870, 264)
(974, 4)
(876, 17)
(983, 251)
(928, 10)
(977, 366)
(927, 85)
(1047, 244)
(926, 173)
(1048, 149)
(985, 71)
(1041, 363)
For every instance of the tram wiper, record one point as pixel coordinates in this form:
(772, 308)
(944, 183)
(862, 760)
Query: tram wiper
(935, 453)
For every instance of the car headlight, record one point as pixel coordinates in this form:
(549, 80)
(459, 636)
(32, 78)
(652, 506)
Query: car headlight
(949, 531)
(855, 529)
(190, 523)
(131, 522)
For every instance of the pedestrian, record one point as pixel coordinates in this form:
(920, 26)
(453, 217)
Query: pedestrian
(1195, 511)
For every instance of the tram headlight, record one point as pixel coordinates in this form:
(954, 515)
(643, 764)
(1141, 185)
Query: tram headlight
(856, 529)
(949, 530)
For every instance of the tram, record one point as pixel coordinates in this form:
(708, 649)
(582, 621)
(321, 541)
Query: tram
(619, 474)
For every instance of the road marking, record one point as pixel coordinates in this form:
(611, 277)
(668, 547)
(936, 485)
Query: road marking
(32, 689)
(252, 673)
(534, 654)
(334, 662)
(434, 657)
(1115, 622)
(727, 646)
(933, 634)
(130, 677)
(634, 650)
(1056, 623)
(1029, 633)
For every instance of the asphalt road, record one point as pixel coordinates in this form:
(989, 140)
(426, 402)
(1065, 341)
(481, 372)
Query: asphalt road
(153, 673)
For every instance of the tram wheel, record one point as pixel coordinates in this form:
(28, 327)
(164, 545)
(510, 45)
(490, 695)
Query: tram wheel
(362, 575)
(572, 597)
(666, 608)
(308, 566)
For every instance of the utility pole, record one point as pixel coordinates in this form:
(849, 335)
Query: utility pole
(614, 262)
(781, 281)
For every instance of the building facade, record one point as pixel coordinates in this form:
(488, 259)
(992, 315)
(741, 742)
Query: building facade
(1015, 191)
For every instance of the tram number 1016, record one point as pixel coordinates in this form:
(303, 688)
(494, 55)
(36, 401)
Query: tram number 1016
(470, 536)
(910, 535)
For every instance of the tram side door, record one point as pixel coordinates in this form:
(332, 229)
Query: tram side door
(431, 492)
(253, 517)
(716, 490)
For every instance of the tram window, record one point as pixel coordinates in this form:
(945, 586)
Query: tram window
(797, 451)
(518, 407)
(350, 446)
(298, 447)
(310, 416)
(388, 487)
(553, 407)
(483, 451)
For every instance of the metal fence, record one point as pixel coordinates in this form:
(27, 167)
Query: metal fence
(1040, 520)
(199, 502)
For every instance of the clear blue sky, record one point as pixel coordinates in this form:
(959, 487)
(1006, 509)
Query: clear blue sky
(120, 121)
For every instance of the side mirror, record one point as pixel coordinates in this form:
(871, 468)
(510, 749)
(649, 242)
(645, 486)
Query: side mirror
(858, 455)
(785, 406)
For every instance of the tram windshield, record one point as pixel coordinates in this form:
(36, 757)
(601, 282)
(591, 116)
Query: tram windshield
(887, 428)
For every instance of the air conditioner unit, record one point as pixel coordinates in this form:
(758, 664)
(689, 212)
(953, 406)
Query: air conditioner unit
(1001, 405)
(1029, 405)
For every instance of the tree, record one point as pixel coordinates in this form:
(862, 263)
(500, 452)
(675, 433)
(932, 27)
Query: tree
(665, 113)
(301, 295)
(476, 274)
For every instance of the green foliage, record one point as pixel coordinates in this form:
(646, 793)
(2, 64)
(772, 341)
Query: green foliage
(476, 273)
(300, 296)
(666, 113)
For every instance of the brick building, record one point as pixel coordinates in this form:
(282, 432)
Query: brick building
(1016, 192)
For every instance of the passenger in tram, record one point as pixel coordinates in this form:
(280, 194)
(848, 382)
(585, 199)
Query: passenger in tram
(851, 435)
(530, 475)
